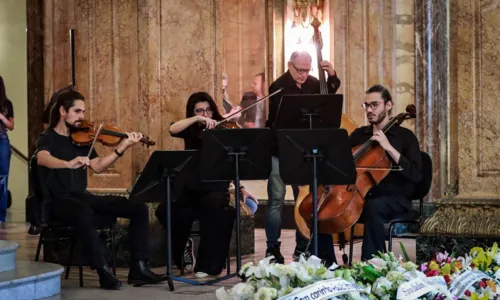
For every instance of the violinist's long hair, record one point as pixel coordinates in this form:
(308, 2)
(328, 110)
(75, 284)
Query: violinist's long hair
(64, 97)
(3, 96)
(202, 97)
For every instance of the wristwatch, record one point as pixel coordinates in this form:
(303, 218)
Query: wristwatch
(118, 153)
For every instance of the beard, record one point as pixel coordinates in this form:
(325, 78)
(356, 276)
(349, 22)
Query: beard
(378, 118)
(75, 125)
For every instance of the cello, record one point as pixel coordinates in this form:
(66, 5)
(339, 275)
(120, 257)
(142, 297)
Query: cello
(340, 206)
(346, 123)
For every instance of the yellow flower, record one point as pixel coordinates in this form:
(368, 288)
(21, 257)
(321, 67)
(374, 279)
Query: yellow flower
(492, 285)
(446, 269)
(476, 250)
(433, 266)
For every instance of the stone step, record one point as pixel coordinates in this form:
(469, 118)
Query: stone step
(8, 255)
(31, 280)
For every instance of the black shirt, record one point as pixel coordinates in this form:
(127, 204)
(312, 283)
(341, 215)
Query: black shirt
(63, 181)
(399, 184)
(8, 112)
(286, 81)
(191, 136)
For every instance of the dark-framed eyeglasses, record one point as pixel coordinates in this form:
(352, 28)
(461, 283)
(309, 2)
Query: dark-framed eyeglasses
(203, 110)
(373, 105)
(300, 71)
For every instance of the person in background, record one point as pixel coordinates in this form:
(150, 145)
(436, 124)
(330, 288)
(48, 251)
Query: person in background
(6, 123)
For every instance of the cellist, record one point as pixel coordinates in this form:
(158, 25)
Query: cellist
(391, 197)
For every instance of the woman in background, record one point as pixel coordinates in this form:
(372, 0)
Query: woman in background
(6, 123)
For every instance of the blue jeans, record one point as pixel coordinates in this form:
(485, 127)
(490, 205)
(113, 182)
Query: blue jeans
(5, 153)
(251, 204)
(276, 191)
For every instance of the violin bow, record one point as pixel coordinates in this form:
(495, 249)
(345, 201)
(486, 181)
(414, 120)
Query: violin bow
(95, 139)
(251, 105)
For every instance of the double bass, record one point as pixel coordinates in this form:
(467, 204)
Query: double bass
(346, 123)
(340, 206)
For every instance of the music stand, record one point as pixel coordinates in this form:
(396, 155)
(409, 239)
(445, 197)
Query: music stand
(154, 184)
(236, 154)
(297, 116)
(309, 111)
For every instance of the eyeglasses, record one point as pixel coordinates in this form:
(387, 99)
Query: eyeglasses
(300, 71)
(203, 110)
(373, 105)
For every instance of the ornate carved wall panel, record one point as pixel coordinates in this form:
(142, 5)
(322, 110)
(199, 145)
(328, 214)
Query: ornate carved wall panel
(137, 62)
(478, 93)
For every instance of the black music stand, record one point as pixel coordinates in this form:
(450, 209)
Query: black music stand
(321, 154)
(154, 184)
(306, 149)
(236, 154)
(309, 111)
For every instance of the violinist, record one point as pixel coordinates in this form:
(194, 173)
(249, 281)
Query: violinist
(391, 197)
(207, 202)
(63, 177)
(295, 81)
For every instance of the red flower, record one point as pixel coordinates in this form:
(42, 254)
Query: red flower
(432, 273)
(467, 293)
(472, 265)
(447, 279)
(482, 284)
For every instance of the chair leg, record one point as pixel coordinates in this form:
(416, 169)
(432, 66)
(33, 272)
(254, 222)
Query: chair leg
(70, 258)
(113, 260)
(39, 247)
(351, 245)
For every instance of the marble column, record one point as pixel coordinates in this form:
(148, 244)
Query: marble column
(35, 34)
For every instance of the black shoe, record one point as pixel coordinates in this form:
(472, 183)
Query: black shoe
(139, 272)
(275, 251)
(188, 259)
(107, 280)
(297, 253)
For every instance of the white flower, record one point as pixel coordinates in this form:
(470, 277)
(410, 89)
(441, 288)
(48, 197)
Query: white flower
(497, 258)
(378, 263)
(221, 294)
(242, 291)
(380, 286)
(265, 293)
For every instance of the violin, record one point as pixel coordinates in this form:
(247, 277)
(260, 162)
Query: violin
(107, 134)
(340, 206)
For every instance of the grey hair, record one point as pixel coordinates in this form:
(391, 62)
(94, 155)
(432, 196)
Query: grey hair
(299, 53)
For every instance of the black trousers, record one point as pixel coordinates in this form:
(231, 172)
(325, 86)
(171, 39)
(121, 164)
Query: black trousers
(376, 212)
(216, 219)
(79, 211)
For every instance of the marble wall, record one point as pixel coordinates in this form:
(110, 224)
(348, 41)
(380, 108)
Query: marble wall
(244, 44)
(137, 62)
(457, 88)
(373, 43)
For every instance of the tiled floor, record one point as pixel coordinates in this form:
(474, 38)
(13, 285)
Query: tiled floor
(71, 290)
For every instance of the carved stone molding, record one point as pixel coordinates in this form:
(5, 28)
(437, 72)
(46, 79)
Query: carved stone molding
(464, 217)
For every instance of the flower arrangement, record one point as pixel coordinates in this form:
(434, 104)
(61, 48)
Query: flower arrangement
(475, 276)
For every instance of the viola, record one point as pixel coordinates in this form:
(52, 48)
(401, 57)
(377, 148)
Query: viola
(340, 206)
(107, 134)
